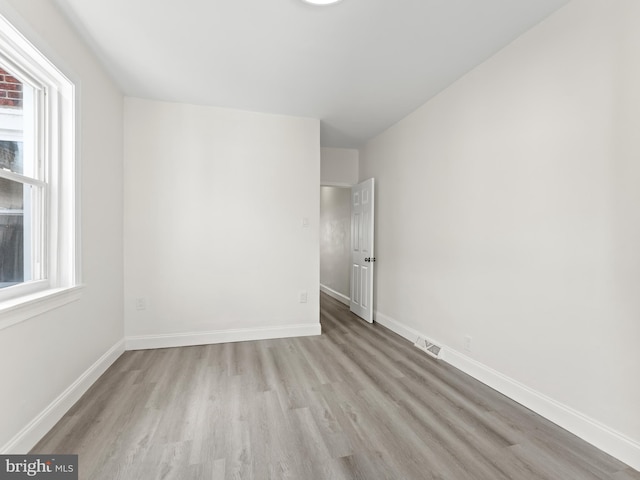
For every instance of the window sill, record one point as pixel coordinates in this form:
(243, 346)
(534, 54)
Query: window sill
(19, 309)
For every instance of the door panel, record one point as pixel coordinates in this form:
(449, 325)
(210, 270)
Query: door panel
(362, 256)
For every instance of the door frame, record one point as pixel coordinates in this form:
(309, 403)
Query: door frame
(342, 298)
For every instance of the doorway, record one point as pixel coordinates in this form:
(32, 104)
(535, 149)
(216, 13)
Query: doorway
(335, 242)
(346, 245)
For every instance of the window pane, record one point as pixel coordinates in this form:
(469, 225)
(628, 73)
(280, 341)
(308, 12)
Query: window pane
(20, 207)
(10, 90)
(11, 156)
(12, 242)
(17, 125)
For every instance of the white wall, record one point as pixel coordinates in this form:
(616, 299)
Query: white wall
(335, 241)
(339, 166)
(511, 213)
(214, 237)
(43, 356)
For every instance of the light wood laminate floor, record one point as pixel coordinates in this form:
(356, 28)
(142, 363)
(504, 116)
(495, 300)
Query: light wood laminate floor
(358, 402)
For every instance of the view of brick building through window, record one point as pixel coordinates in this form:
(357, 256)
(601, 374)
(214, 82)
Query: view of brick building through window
(10, 90)
(12, 193)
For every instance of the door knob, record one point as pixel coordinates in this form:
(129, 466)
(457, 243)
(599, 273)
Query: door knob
(368, 259)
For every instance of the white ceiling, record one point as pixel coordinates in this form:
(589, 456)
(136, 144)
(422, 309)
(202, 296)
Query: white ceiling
(359, 66)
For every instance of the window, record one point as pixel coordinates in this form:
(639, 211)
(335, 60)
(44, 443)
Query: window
(37, 170)
(21, 185)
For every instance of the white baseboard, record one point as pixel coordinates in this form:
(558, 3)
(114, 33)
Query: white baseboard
(33, 432)
(337, 295)
(599, 435)
(606, 439)
(144, 342)
(397, 327)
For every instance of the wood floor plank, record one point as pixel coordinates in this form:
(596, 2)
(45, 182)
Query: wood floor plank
(358, 402)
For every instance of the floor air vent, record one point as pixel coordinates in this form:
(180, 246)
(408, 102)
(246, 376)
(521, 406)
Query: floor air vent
(428, 347)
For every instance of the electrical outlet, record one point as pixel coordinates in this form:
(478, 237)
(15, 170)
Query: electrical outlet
(141, 303)
(303, 297)
(467, 343)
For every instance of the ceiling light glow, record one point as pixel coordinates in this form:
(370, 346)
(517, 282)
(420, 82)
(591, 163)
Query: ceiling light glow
(321, 2)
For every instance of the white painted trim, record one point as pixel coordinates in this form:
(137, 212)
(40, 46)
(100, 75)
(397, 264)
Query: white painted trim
(335, 294)
(143, 342)
(599, 435)
(33, 432)
(400, 328)
(19, 309)
(606, 439)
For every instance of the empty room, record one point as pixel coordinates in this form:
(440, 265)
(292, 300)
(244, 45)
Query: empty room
(316, 239)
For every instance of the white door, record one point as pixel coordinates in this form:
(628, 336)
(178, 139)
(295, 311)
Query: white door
(362, 256)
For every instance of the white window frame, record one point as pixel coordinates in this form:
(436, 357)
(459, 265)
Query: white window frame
(55, 152)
